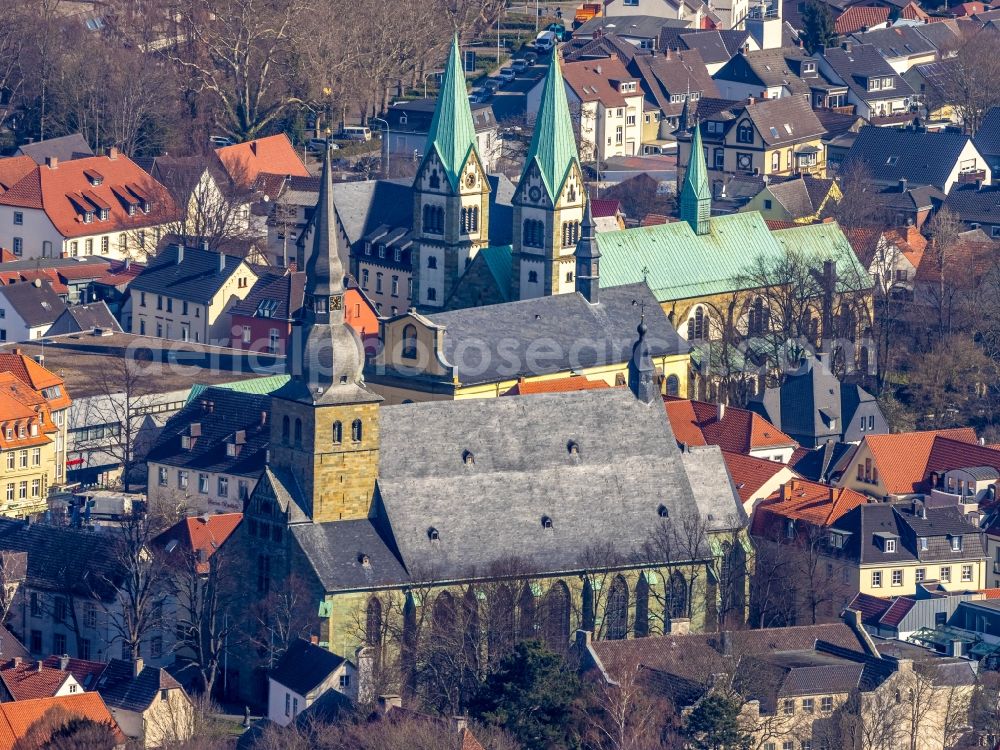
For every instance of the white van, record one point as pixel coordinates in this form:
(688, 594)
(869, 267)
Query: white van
(545, 42)
(356, 133)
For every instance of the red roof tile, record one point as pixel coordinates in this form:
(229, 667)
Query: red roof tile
(16, 717)
(556, 385)
(13, 169)
(202, 535)
(274, 155)
(774, 224)
(802, 500)
(25, 680)
(604, 207)
(739, 430)
(859, 18)
(598, 80)
(947, 454)
(58, 191)
(901, 458)
(914, 12)
(990, 593)
(749, 473)
(897, 611)
(28, 371)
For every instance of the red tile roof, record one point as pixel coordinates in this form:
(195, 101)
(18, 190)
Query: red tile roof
(739, 431)
(202, 535)
(556, 385)
(274, 155)
(749, 473)
(28, 371)
(65, 193)
(901, 458)
(16, 717)
(897, 611)
(599, 80)
(84, 671)
(914, 12)
(859, 18)
(990, 593)
(25, 680)
(604, 207)
(774, 224)
(802, 500)
(876, 610)
(13, 169)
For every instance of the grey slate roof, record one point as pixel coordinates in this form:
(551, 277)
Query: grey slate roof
(280, 294)
(922, 158)
(975, 205)
(898, 41)
(862, 61)
(867, 521)
(85, 318)
(120, 689)
(233, 412)
(644, 27)
(987, 138)
(766, 67)
(64, 148)
(37, 305)
(787, 119)
(304, 666)
(501, 342)
(715, 46)
(196, 279)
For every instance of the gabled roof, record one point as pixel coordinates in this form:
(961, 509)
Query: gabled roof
(920, 157)
(197, 278)
(201, 535)
(452, 133)
(12, 169)
(787, 119)
(25, 680)
(714, 45)
(66, 192)
(36, 303)
(801, 500)
(801, 196)
(556, 385)
(244, 162)
(64, 148)
(553, 143)
(749, 473)
(122, 689)
(274, 295)
(898, 41)
(854, 67)
(975, 204)
(89, 316)
(16, 717)
(672, 74)
(948, 454)
(739, 430)
(987, 138)
(304, 667)
(902, 458)
(598, 80)
(766, 67)
(860, 17)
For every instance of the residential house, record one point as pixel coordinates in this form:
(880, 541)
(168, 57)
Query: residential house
(12, 169)
(427, 357)
(28, 310)
(89, 317)
(244, 163)
(208, 457)
(27, 447)
(30, 370)
(874, 88)
(906, 204)
(987, 141)
(768, 74)
(820, 464)
(813, 405)
(756, 478)
(766, 137)
(101, 205)
(63, 148)
(715, 47)
(290, 207)
(17, 717)
(409, 122)
(977, 207)
(193, 540)
(731, 428)
(304, 674)
(24, 680)
(893, 466)
(669, 80)
(608, 214)
(642, 29)
(609, 103)
(902, 617)
(187, 294)
(940, 160)
(892, 256)
(861, 17)
(112, 289)
(67, 603)
(386, 270)
(804, 199)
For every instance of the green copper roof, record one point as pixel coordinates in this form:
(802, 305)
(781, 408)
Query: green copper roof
(260, 386)
(498, 261)
(553, 144)
(679, 264)
(696, 198)
(452, 132)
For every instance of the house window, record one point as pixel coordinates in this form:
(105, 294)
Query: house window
(18, 246)
(156, 647)
(90, 616)
(36, 607)
(288, 704)
(182, 479)
(36, 457)
(356, 431)
(807, 705)
(776, 161)
(36, 641)
(364, 278)
(826, 704)
(345, 681)
(18, 218)
(788, 707)
(532, 277)
(36, 487)
(720, 158)
(966, 573)
(432, 261)
(203, 484)
(876, 579)
(394, 286)
(59, 612)
(956, 544)
(945, 575)
(85, 649)
(897, 577)
(890, 545)
(59, 643)
(923, 544)
(744, 132)
(223, 487)
(22, 490)
(431, 294)
(920, 574)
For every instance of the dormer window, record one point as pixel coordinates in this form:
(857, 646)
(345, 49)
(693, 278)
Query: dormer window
(88, 216)
(146, 206)
(103, 214)
(956, 544)
(546, 522)
(662, 511)
(573, 448)
(94, 178)
(131, 209)
(186, 442)
(890, 545)
(433, 534)
(231, 450)
(467, 458)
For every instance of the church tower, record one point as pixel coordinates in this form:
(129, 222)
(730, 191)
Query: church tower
(696, 198)
(324, 421)
(451, 194)
(588, 260)
(548, 202)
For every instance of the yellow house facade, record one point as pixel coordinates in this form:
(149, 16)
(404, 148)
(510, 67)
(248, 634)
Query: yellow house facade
(805, 200)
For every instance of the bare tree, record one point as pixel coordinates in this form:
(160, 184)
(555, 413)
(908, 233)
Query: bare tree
(969, 75)
(625, 714)
(13, 570)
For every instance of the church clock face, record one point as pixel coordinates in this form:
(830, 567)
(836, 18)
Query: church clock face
(534, 193)
(336, 302)
(743, 161)
(470, 180)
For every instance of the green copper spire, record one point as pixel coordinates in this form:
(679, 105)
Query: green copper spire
(553, 144)
(452, 133)
(696, 198)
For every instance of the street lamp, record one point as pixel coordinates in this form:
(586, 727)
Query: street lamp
(385, 142)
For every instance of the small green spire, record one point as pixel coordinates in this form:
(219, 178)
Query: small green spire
(452, 132)
(553, 144)
(696, 198)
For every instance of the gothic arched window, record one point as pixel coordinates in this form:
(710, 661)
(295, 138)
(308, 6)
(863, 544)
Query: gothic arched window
(676, 596)
(298, 433)
(409, 342)
(356, 431)
(673, 385)
(696, 325)
(616, 614)
(641, 628)
(555, 617)
(338, 433)
(744, 132)
(373, 622)
(285, 427)
(435, 180)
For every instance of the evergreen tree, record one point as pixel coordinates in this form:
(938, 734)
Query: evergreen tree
(714, 724)
(530, 695)
(818, 26)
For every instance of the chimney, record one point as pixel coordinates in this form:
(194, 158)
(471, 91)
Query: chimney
(52, 162)
(263, 418)
(388, 702)
(846, 46)
(17, 661)
(180, 254)
(460, 723)
(222, 262)
(720, 410)
(902, 185)
(137, 666)
(39, 665)
(64, 662)
(680, 626)
(751, 100)
(113, 153)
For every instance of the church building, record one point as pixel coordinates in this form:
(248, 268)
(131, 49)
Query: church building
(541, 513)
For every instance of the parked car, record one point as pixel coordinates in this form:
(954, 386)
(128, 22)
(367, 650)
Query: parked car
(531, 57)
(220, 141)
(506, 75)
(356, 133)
(491, 84)
(479, 96)
(316, 145)
(519, 66)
